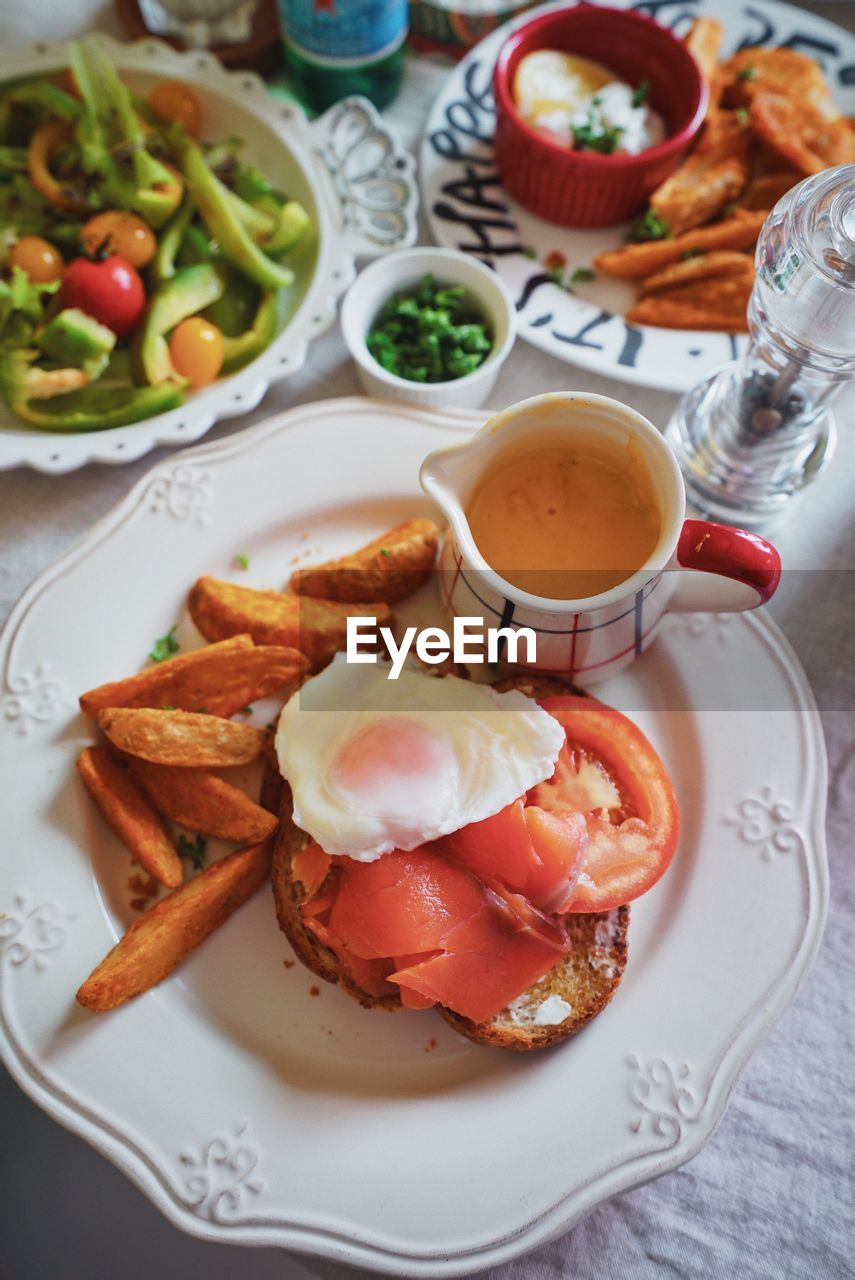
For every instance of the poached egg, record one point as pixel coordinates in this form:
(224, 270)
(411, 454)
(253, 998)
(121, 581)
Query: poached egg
(558, 92)
(377, 764)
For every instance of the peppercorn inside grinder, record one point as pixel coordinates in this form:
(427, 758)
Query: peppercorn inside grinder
(756, 431)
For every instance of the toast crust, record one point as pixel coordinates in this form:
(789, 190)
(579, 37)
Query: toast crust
(289, 896)
(585, 979)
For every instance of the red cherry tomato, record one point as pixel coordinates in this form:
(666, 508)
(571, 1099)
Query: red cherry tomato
(109, 291)
(610, 772)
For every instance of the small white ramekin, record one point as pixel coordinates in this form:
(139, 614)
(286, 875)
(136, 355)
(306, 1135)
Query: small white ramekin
(404, 269)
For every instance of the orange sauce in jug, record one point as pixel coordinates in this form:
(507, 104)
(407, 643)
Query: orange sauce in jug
(566, 522)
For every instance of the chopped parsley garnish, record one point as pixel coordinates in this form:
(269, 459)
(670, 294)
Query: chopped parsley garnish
(742, 115)
(242, 560)
(203, 711)
(529, 251)
(747, 73)
(649, 226)
(193, 849)
(639, 95)
(596, 135)
(729, 209)
(429, 333)
(556, 274)
(688, 254)
(247, 710)
(582, 275)
(384, 551)
(165, 647)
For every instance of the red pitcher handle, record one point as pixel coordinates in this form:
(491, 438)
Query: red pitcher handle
(736, 554)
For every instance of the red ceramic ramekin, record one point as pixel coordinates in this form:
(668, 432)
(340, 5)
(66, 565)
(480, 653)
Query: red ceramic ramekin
(584, 188)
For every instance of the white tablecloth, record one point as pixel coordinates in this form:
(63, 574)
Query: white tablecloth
(771, 1195)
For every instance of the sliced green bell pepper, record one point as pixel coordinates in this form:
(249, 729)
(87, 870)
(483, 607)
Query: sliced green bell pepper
(169, 242)
(246, 346)
(29, 394)
(41, 95)
(190, 290)
(215, 204)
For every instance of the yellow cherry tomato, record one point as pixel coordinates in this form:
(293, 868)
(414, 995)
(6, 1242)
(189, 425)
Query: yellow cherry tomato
(122, 233)
(174, 100)
(196, 348)
(38, 258)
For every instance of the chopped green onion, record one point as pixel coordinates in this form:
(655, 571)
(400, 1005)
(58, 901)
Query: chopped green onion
(192, 849)
(164, 647)
(649, 226)
(429, 333)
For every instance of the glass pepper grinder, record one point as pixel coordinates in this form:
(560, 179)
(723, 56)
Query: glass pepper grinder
(756, 431)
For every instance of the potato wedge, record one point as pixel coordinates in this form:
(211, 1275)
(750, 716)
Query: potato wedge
(163, 936)
(389, 568)
(709, 304)
(752, 72)
(766, 189)
(636, 261)
(203, 802)
(711, 178)
(130, 814)
(182, 738)
(806, 138)
(722, 264)
(703, 40)
(318, 628)
(699, 190)
(188, 681)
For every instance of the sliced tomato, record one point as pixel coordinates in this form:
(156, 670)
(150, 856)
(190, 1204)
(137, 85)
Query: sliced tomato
(610, 772)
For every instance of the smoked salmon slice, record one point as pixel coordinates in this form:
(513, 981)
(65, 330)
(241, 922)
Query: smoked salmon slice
(311, 866)
(531, 852)
(466, 945)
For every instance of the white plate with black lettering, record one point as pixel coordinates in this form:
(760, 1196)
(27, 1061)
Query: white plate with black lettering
(252, 1112)
(468, 209)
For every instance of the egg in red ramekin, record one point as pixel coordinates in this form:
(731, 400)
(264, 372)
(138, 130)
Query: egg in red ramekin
(584, 188)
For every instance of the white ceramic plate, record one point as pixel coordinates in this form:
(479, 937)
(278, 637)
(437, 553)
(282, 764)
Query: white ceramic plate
(253, 1112)
(469, 210)
(348, 170)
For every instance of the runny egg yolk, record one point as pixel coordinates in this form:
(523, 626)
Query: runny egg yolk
(392, 764)
(548, 81)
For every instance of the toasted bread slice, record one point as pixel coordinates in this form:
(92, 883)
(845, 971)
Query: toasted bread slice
(571, 994)
(584, 980)
(289, 896)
